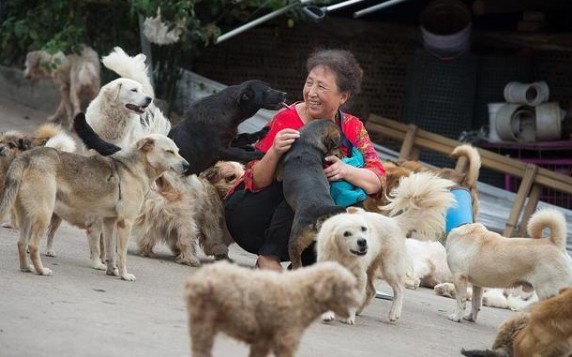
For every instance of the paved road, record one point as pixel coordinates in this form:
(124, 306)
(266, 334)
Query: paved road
(82, 312)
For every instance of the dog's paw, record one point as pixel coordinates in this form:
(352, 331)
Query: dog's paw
(394, 318)
(50, 253)
(470, 317)
(350, 320)
(147, 253)
(111, 271)
(98, 265)
(188, 260)
(27, 269)
(455, 318)
(7, 225)
(128, 277)
(45, 271)
(328, 316)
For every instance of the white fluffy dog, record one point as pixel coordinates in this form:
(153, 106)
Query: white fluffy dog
(487, 259)
(369, 243)
(123, 111)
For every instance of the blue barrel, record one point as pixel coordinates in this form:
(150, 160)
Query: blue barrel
(462, 212)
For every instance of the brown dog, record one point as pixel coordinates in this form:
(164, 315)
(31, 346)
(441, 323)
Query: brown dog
(306, 188)
(266, 309)
(74, 74)
(223, 175)
(44, 181)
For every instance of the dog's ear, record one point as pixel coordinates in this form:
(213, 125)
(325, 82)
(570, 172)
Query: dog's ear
(112, 92)
(146, 144)
(211, 174)
(246, 95)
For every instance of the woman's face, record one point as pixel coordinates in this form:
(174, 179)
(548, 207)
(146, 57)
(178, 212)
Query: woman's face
(321, 93)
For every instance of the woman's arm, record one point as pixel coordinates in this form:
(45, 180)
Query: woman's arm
(361, 177)
(263, 171)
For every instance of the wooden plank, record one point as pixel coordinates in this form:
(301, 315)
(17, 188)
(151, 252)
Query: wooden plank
(523, 190)
(529, 209)
(408, 142)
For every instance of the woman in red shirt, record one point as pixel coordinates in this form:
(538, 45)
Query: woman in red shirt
(257, 215)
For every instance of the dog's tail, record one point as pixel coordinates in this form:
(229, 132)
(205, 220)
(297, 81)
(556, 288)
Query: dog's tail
(129, 67)
(553, 220)
(12, 184)
(474, 159)
(482, 353)
(423, 199)
(63, 142)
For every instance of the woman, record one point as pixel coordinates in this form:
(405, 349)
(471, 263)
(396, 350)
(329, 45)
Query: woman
(257, 215)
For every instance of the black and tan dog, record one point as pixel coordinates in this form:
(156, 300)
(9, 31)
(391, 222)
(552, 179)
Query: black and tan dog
(306, 188)
(210, 126)
(43, 181)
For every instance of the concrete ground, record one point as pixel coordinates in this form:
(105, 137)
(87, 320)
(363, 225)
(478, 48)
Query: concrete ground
(82, 312)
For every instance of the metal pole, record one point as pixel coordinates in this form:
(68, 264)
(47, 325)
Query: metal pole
(376, 7)
(342, 4)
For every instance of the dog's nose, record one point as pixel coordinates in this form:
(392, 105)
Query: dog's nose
(148, 100)
(362, 243)
(186, 166)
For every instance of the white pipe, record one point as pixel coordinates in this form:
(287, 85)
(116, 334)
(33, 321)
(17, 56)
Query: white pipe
(340, 5)
(377, 7)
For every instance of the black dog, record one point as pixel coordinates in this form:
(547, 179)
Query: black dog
(208, 132)
(306, 188)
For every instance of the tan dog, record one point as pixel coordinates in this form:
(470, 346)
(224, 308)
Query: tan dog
(45, 180)
(367, 243)
(394, 172)
(183, 212)
(266, 309)
(487, 259)
(223, 175)
(74, 74)
(506, 334)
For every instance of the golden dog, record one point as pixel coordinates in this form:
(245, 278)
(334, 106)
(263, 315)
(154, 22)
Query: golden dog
(266, 309)
(45, 181)
(487, 259)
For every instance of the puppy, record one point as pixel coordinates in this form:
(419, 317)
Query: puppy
(210, 125)
(183, 212)
(506, 333)
(75, 74)
(429, 264)
(487, 259)
(306, 188)
(123, 111)
(44, 181)
(369, 243)
(223, 175)
(267, 310)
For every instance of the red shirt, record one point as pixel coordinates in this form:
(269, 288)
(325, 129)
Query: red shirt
(352, 128)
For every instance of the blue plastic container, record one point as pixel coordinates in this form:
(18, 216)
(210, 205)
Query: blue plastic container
(462, 212)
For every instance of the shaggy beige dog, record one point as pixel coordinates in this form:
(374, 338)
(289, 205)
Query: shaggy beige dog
(487, 259)
(266, 309)
(369, 243)
(183, 212)
(74, 74)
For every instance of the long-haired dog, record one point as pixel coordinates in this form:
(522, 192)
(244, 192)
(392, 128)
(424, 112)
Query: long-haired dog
(369, 243)
(306, 188)
(44, 181)
(544, 331)
(184, 212)
(268, 310)
(123, 110)
(75, 74)
(486, 259)
(395, 171)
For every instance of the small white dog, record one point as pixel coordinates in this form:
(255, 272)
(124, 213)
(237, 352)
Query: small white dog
(429, 264)
(487, 259)
(369, 243)
(123, 111)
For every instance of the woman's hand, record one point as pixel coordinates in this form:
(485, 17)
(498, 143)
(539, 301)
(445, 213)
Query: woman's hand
(284, 140)
(338, 170)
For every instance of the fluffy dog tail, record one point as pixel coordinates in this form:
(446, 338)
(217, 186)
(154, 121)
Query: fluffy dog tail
(63, 142)
(129, 67)
(474, 159)
(12, 184)
(422, 199)
(553, 220)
